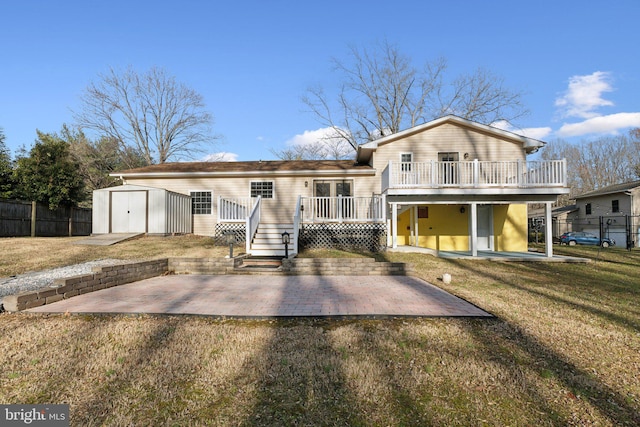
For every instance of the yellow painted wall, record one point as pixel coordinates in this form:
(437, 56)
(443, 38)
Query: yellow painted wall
(447, 229)
(510, 227)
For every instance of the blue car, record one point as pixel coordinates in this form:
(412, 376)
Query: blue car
(584, 238)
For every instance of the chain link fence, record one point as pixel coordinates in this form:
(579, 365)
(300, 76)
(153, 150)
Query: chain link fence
(623, 229)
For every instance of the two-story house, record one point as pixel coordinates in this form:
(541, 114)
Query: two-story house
(448, 185)
(612, 212)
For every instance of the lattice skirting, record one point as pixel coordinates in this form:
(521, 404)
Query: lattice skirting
(369, 237)
(239, 230)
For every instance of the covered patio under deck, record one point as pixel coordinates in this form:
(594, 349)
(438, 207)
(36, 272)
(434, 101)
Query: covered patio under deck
(476, 187)
(481, 237)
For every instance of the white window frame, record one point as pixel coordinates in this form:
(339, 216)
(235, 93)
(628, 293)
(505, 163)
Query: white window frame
(273, 189)
(192, 201)
(406, 168)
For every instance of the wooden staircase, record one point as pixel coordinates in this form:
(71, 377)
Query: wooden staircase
(268, 241)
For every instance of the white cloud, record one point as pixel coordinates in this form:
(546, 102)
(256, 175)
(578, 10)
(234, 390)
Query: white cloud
(310, 137)
(326, 143)
(535, 133)
(222, 156)
(601, 124)
(584, 95)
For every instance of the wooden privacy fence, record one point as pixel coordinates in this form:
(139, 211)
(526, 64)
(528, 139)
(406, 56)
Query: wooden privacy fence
(20, 218)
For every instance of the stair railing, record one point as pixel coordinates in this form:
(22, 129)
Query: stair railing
(296, 223)
(253, 220)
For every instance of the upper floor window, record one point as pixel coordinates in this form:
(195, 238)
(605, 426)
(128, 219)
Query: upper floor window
(405, 160)
(587, 209)
(448, 157)
(201, 202)
(262, 188)
(448, 171)
(615, 206)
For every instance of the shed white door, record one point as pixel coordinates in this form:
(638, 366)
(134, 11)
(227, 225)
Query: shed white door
(484, 227)
(128, 211)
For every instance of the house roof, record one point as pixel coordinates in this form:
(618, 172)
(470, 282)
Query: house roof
(570, 208)
(611, 189)
(262, 167)
(529, 144)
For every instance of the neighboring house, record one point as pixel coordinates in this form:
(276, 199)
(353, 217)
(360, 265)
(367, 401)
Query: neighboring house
(562, 217)
(449, 185)
(614, 210)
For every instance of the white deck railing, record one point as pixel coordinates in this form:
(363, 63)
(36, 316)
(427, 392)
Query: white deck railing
(475, 174)
(234, 210)
(342, 209)
(253, 220)
(297, 219)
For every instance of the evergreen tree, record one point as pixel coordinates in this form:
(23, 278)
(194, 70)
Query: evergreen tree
(49, 174)
(6, 170)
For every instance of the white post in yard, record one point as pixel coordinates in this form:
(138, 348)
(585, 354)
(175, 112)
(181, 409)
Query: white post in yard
(473, 238)
(548, 232)
(394, 225)
(417, 228)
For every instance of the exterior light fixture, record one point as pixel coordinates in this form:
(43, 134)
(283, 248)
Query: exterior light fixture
(462, 209)
(286, 239)
(231, 239)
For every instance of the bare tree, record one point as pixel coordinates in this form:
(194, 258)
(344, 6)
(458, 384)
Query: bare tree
(322, 144)
(383, 93)
(150, 113)
(598, 163)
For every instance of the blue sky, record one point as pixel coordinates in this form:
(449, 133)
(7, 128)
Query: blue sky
(577, 62)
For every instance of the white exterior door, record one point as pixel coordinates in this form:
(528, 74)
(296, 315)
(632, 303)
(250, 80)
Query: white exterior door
(485, 218)
(128, 211)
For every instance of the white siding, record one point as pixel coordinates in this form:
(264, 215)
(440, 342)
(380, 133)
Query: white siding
(279, 209)
(100, 212)
(449, 137)
(163, 212)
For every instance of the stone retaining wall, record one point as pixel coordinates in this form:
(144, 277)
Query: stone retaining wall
(344, 267)
(101, 278)
(203, 265)
(115, 275)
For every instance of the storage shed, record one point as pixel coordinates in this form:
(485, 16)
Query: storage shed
(138, 209)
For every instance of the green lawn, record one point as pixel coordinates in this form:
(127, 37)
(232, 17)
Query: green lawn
(563, 349)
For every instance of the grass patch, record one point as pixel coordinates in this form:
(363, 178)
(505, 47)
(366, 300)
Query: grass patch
(23, 254)
(564, 349)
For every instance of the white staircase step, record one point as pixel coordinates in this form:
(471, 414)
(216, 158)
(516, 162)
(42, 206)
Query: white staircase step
(268, 226)
(269, 252)
(268, 240)
(261, 238)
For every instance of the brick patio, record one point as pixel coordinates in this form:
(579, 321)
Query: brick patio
(272, 296)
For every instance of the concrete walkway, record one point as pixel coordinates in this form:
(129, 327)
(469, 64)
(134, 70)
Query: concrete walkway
(272, 296)
(107, 239)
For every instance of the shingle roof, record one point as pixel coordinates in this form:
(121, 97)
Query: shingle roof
(616, 188)
(253, 166)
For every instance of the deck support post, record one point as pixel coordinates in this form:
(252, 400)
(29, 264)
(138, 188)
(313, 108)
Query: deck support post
(473, 238)
(394, 225)
(548, 230)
